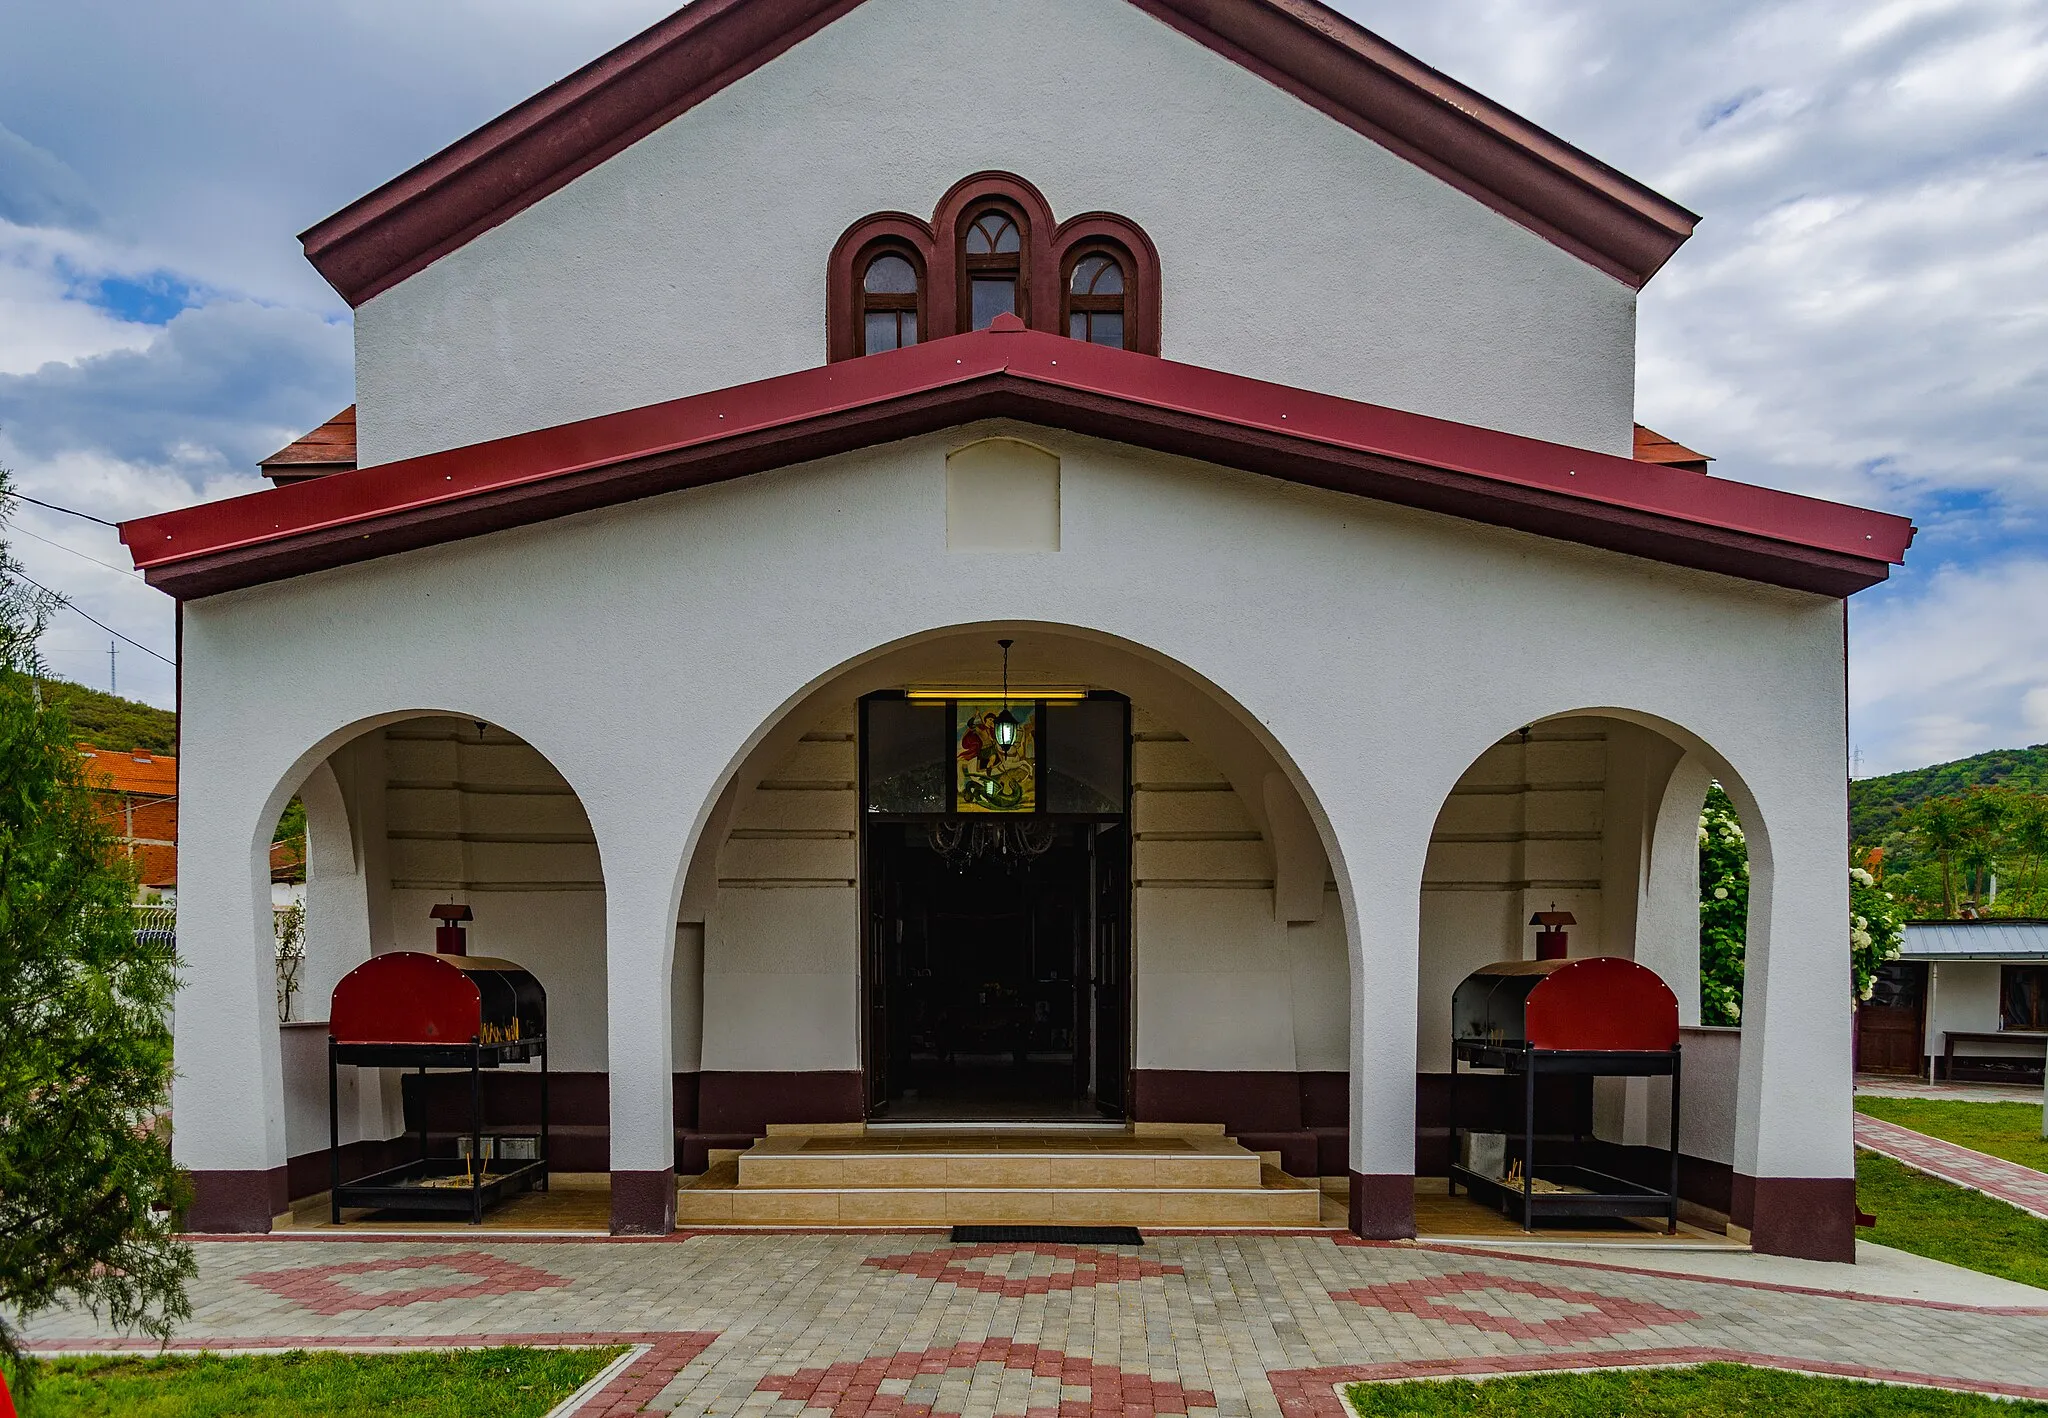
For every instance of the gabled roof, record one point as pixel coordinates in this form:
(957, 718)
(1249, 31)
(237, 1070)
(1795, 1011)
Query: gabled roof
(1324, 59)
(1006, 371)
(330, 448)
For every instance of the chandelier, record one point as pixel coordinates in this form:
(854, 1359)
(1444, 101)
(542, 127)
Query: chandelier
(961, 844)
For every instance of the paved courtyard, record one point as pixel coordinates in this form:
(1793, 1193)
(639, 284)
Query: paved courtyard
(1230, 1325)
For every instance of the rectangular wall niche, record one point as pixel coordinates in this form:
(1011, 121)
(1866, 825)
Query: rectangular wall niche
(1002, 495)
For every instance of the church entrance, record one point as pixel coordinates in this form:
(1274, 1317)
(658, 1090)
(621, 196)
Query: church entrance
(995, 880)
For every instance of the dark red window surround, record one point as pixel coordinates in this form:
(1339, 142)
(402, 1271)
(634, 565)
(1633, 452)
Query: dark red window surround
(960, 259)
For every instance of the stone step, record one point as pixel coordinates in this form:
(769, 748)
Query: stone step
(1151, 1163)
(1277, 1201)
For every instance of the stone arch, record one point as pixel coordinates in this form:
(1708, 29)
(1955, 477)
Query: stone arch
(1604, 824)
(499, 825)
(1261, 776)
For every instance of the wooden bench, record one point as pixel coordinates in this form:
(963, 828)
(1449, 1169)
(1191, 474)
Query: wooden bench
(1977, 1072)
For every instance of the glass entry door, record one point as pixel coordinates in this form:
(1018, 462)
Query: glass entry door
(995, 880)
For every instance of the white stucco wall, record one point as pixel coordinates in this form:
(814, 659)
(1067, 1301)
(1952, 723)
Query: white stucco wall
(1965, 999)
(1293, 249)
(1379, 652)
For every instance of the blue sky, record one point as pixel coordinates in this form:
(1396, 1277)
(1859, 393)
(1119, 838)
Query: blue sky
(1863, 314)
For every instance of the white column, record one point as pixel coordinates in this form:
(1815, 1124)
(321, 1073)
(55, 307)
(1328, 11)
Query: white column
(1794, 1149)
(1668, 917)
(227, 1101)
(1383, 917)
(640, 939)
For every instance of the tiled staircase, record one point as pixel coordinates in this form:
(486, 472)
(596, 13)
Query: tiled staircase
(1183, 1176)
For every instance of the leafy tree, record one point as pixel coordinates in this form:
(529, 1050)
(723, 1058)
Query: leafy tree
(87, 1186)
(1942, 830)
(2027, 833)
(1724, 909)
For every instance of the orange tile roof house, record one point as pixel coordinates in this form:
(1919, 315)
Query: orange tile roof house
(140, 802)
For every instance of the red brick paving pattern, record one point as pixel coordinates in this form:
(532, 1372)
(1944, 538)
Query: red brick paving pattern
(2008, 1182)
(631, 1391)
(319, 1287)
(853, 1389)
(1088, 1267)
(1600, 1317)
(1254, 1323)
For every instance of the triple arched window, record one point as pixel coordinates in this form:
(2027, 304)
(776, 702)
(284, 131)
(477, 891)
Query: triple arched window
(991, 249)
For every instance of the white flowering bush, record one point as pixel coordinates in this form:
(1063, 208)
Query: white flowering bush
(1724, 909)
(1877, 929)
(1877, 923)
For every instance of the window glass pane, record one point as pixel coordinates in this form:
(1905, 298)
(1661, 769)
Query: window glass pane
(906, 756)
(1098, 275)
(1085, 752)
(1077, 325)
(908, 326)
(993, 298)
(881, 331)
(980, 238)
(2024, 1002)
(1107, 330)
(891, 275)
(1007, 238)
(994, 777)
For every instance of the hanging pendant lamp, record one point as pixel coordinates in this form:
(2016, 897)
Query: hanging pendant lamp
(1006, 723)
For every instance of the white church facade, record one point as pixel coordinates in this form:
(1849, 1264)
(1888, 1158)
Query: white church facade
(955, 561)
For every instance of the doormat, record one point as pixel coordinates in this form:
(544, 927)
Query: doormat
(1048, 1235)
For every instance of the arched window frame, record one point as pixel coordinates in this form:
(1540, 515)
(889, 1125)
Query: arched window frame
(868, 303)
(1014, 266)
(1090, 306)
(1046, 247)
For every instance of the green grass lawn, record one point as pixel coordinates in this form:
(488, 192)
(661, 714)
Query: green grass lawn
(1678, 1393)
(2011, 1130)
(1919, 1214)
(503, 1383)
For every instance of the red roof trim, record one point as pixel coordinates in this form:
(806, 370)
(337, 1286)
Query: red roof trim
(513, 161)
(1317, 439)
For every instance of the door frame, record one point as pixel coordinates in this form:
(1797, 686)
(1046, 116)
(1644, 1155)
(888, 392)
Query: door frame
(874, 1022)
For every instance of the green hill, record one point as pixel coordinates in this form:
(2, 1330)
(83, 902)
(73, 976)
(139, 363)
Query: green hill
(1875, 803)
(105, 721)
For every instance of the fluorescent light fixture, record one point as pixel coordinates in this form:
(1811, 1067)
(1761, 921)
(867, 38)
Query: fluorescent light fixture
(1022, 693)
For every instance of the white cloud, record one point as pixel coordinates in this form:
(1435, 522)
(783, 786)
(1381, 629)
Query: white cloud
(1953, 670)
(40, 320)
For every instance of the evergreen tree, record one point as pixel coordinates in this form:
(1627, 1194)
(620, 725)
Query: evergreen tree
(87, 1186)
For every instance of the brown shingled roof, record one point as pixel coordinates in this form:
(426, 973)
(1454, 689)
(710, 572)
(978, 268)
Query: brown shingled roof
(330, 448)
(1654, 447)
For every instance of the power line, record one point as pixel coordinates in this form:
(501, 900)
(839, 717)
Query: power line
(63, 601)
(67, 511)
(75, 552)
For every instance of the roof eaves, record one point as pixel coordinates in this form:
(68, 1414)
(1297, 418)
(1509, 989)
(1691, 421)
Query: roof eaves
(573, 125)
(1295, 434)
